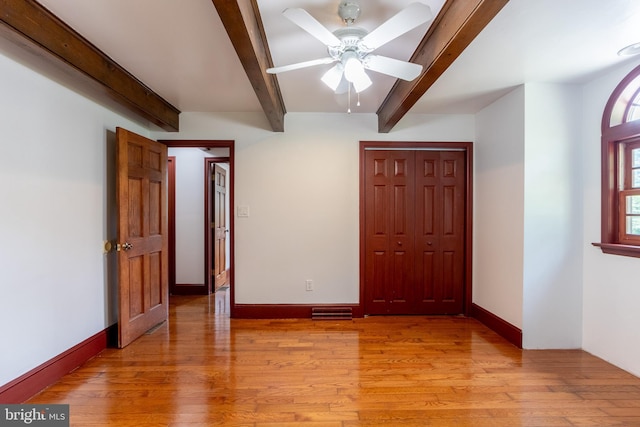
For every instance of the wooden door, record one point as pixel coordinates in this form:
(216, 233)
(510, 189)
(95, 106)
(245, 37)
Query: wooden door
(143, 292)
(219, 226)
(440, 232)
(389, 228)
(414, 240)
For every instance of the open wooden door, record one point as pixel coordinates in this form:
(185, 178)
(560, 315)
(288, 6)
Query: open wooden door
(143, 291)
(219, 226)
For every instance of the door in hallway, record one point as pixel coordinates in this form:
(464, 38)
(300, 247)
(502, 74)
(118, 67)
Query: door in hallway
(414, 242)
(143, 292)
(219, 226)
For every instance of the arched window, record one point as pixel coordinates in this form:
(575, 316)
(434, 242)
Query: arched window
(621, 169)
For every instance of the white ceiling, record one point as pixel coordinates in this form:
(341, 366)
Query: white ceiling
(180, 49)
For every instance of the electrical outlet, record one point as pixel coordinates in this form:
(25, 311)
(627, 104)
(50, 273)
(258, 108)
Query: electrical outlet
(309, 284)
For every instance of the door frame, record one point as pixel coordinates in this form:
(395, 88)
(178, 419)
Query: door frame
(230, 145)
(467, 147)
(171, 220)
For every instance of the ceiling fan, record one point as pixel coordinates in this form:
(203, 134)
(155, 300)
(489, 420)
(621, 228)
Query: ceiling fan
(351, 46)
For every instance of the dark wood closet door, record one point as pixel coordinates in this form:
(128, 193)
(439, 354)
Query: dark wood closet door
(414, 232)
(440, 226)
(389, 201)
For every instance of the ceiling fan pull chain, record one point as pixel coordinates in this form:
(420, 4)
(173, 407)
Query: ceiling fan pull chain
(349, 99)
(358, 104)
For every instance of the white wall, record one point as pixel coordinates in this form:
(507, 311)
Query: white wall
(534, 264)
(552, 279)
(189, 218)
(528, 214)
(611, 285)
(498, 221)
(302, 190)
(55, 282)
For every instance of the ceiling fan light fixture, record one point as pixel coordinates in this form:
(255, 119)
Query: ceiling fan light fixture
(333, 77)
(354, 72)
(352, 66)
(362, 82)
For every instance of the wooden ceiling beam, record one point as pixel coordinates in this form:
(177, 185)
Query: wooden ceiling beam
(244, 26)
(455, 27)
(86, 68)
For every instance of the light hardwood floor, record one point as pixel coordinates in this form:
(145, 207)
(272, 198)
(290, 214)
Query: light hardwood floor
(203, 369)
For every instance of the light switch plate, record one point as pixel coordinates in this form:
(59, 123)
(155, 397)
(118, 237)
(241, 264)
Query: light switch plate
(243, 211)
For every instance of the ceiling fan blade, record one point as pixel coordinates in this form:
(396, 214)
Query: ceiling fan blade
(404, 21)
(298, 65)
(304, 20)
(392, 67)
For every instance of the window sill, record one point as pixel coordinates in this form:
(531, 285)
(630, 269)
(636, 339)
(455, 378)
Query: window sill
(618, 249)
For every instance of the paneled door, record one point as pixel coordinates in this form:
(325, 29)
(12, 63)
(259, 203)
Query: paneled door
(389, 229)
(219, 226)
(414, 231)
(143, 291)
(439, 232)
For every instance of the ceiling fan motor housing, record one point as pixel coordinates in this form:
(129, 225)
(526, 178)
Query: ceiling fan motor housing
(349, 41)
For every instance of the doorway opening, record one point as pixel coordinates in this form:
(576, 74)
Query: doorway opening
(201, 241)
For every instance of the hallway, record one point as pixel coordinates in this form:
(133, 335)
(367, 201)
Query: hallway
(204, 369)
